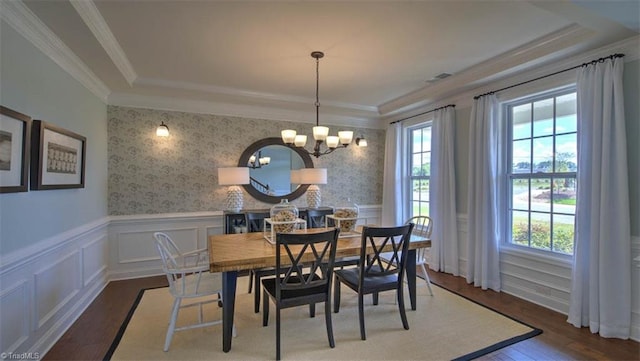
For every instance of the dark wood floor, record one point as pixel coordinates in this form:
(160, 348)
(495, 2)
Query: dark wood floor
(91, 335)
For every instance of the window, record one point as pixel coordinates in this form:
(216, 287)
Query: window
(420, 169)
(542, 166)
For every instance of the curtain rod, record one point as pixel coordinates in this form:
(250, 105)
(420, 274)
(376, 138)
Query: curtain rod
(600, 60)
(423, 113)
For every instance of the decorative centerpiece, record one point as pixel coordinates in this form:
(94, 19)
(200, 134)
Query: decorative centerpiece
(286, 213)
(346, 215)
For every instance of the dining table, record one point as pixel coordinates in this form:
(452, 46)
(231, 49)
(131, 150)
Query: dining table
(232, 253)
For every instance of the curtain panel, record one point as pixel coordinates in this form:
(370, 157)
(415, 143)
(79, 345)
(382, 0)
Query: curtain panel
(601, 280)
(485, 199)
(392, 194)
(442, 193)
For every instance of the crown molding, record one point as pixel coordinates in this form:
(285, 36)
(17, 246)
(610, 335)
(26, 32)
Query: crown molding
(239, 110)
(98, 26)
(27, 24)
(630, 47)
(554, 43)
(246, 96)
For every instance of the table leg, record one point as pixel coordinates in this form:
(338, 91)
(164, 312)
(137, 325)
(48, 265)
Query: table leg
(411, 276)
(229, 280)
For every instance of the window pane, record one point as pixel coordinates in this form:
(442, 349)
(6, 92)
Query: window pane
(421, 189)
(564, 195)
(520, 228)
(566, 109)
(543, 117)
(521, 116)
(541, 194)
(521, 157)
(426, 139)
(416, 135)
(416, 164)
(520, 194)
(426, 164)
(563, 233)
(543, 155)
(541, 230)
(566, 153)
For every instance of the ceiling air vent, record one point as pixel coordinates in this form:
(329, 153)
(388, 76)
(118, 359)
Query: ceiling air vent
(438, 77)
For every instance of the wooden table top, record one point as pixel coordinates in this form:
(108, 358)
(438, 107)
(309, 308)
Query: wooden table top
(243, 251)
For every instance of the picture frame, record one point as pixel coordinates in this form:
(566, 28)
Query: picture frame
(15, 136)
(58, 157)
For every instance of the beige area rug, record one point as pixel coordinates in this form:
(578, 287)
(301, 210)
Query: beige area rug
(444, 327)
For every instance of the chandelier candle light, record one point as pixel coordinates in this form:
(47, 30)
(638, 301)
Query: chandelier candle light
(233, 177)
(313, 177)
(320, 133)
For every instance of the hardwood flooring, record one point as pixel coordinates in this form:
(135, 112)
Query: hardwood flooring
(91, 335)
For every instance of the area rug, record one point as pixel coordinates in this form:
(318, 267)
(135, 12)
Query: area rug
(445, 326)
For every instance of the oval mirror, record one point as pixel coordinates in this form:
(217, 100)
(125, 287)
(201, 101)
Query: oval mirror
(270, 164)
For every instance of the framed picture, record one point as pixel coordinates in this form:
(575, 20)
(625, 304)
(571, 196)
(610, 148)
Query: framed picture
(15, 130)
(57, 158)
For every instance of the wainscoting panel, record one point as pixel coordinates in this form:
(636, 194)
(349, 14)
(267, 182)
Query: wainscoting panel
(47, 287)
(55, 286)
(14, 328)
(132, 251)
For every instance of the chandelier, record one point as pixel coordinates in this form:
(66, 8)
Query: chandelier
(258, 161)
(320, 133)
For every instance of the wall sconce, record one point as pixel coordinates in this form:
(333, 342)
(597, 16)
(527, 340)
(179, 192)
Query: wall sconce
(361, 142)
(233, 177)
(162, 130)
(313, 176)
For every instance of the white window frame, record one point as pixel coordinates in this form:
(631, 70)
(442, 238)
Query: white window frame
(409, 171)
(506, 106)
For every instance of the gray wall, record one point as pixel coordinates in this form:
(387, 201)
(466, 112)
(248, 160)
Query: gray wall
(34, 85)
(150, 174)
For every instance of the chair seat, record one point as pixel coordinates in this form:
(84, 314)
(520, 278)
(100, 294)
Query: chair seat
(197, 285)
(350, 277)
(269, 285)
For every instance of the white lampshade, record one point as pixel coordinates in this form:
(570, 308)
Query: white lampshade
(313, 176)
(295, 176)
(162, 130)
(288, 136)
(233, 176)
(332, 141)
(320, 132)
(300, 140)
(345, 136)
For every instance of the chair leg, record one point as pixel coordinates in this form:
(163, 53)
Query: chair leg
(336, 295)
(277, 333)
(426, 278)
(265, 309)
(172, 323)
(363, 335)
(403, 313)
(256, 301)
(312, 310)
(327, 316)
(250, 280)
(375, 298)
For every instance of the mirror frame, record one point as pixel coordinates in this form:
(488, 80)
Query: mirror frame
(244, 159)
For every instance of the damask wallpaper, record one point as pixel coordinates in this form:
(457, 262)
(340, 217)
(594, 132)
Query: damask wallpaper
(150, 174)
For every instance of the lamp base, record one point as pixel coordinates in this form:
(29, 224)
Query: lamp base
(234, 200)
(313, 196)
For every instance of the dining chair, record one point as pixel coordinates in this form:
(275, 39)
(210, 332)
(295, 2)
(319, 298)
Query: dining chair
(294, 285)
(316, 217)
(255, 223)
(374, 275)
(189, 278)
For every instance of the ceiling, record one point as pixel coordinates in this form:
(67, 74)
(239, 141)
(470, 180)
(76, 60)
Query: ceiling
(252, 58)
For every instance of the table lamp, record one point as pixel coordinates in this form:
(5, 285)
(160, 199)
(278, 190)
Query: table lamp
(233, 177)
(313, 177)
